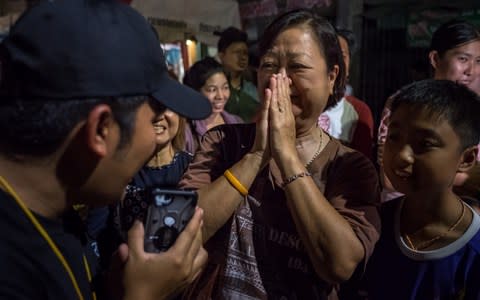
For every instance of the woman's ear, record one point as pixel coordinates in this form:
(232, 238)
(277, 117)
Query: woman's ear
(469, 159)
(434, 58)
(98, 129)
(332, 76)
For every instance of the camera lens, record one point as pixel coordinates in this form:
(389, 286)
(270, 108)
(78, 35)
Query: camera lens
(169, 221)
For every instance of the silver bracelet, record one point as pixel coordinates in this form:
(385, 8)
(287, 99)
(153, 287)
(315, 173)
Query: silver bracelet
(295, 177)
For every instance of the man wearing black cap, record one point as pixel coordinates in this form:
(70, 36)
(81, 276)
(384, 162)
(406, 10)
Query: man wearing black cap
(81, 82)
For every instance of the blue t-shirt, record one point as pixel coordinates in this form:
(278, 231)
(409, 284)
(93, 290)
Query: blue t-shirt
(397, 272)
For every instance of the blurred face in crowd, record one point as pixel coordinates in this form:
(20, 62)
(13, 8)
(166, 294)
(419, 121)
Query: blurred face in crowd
(297, 50)
(235, 57)
(460, 64)
(217, 91)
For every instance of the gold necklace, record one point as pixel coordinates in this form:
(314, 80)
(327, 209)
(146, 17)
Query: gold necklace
(4, 185)
(317, 153)
(428, 243)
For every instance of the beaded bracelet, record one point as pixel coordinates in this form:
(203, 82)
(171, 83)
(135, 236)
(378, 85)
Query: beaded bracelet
(235, 183)
(295, 177)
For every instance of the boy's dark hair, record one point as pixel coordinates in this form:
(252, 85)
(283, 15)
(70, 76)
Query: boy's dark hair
(229, 36)
(37, 128)
(453, 34)
(199, 72)
(349, 37)
(448, 100)
(326, 36)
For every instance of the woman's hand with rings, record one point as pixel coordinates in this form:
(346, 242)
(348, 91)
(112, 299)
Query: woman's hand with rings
(281, 119)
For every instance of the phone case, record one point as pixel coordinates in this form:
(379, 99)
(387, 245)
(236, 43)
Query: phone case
(168, 214)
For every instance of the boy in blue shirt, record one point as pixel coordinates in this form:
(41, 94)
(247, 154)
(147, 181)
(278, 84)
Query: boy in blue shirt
(430, 237)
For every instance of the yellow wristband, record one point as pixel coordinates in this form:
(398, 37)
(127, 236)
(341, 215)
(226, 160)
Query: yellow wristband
(235, 183)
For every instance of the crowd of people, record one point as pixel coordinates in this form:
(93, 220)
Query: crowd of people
(293, 203)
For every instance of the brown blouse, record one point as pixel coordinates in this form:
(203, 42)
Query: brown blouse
(258, 254)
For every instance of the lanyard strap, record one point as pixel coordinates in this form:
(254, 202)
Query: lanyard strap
(6, 186)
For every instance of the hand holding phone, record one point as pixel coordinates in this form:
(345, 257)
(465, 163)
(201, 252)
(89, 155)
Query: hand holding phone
(157, 275)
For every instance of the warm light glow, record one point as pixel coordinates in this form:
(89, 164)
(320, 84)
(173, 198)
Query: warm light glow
(190, 42)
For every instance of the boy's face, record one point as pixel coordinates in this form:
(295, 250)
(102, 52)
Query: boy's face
(422, 152)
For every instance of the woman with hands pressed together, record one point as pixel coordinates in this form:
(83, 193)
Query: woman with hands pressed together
(289, 211)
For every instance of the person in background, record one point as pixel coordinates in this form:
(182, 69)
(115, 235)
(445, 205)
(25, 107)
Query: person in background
(76, 125)
(233, 54)
(289, 212)
(430, 237)
(208, 77)
(350, 120)
(454, 55)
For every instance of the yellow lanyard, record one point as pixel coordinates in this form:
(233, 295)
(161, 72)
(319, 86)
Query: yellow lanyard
(6, 186)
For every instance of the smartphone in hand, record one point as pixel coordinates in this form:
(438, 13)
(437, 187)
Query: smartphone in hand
(168, 214)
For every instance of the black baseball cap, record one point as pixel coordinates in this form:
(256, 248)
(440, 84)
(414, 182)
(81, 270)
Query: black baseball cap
(75, 49)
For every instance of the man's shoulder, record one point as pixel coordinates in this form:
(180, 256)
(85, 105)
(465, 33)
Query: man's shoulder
(247, 85)
(29, 265)
(17, 257)
(17, 232)
(10, 214)
(250, 89)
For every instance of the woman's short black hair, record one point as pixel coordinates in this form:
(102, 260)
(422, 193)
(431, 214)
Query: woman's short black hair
(324, 33)
(453, 34)
(199, 72)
